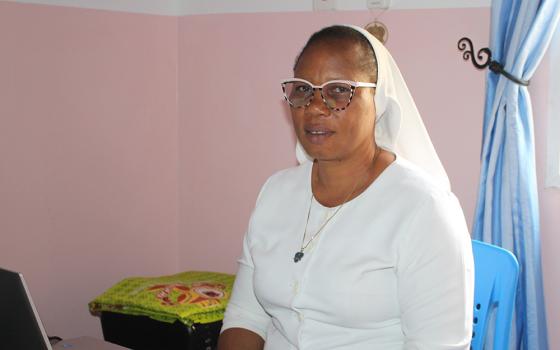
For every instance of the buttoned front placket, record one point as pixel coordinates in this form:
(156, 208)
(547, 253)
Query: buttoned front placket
(302, 268)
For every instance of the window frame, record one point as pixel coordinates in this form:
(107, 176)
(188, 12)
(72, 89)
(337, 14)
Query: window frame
(552, 178)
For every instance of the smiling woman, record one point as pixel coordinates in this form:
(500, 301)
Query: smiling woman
(362, 246)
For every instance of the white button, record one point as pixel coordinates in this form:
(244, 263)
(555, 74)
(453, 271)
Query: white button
(300, 316)
(296, 287)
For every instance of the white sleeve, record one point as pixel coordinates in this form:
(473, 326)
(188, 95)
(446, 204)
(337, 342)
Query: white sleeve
(436, 277)
(244, 310)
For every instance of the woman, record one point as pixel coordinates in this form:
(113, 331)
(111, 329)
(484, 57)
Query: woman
(362, 246)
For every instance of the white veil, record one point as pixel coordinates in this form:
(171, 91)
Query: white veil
(399, 127)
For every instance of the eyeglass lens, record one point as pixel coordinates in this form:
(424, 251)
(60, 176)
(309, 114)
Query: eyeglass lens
(336, 95)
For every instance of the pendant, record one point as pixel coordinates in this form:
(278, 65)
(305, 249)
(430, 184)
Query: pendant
(298, 256)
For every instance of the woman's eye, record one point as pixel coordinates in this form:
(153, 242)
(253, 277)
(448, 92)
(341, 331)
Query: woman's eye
(302, 88)
(339, 89)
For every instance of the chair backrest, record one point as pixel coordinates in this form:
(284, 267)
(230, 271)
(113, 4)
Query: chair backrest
(495, 276)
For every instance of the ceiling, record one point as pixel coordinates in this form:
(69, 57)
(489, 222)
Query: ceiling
(193, 7)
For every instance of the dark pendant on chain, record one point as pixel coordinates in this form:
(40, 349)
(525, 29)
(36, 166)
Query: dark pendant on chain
(298, 256)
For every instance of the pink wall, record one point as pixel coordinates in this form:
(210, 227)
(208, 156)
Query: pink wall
(88, 154)
(549, 201)
(136, 144)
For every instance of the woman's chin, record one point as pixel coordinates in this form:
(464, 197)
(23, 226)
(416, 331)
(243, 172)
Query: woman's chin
(322, 156)
(320, 152)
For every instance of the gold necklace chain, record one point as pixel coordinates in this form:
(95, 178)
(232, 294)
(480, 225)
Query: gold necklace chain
(299, 255)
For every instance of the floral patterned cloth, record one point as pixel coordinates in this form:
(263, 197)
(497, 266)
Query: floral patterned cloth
(190, 297)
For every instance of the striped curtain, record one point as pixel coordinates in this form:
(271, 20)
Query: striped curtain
(507, 212)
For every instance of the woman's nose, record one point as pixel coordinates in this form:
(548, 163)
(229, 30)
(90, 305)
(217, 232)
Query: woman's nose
(317, 107)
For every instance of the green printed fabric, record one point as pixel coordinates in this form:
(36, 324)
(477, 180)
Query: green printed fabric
(190, 297)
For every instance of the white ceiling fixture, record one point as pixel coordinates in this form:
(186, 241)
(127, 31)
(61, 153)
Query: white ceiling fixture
(378, 4)
(324, 5)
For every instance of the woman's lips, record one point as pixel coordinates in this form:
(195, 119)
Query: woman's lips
(318, 135)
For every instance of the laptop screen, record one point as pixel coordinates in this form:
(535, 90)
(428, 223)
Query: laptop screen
(20, 325)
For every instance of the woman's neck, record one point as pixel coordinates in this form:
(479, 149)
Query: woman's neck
(334, 181)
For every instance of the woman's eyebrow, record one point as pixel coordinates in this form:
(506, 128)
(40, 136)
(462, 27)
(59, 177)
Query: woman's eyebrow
(326, 80)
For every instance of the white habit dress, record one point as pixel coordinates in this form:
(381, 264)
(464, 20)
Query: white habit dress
(392, 270)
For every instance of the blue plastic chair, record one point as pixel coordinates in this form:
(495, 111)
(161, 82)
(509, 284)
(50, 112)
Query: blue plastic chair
(495, 284)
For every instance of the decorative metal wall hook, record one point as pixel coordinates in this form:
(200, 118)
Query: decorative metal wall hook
(494, 66)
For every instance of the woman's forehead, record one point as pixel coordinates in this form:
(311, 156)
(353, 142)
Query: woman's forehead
(331, 60)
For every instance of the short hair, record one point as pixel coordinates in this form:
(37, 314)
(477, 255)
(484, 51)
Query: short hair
(337, 32)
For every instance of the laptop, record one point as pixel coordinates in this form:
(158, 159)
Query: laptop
(21, 327)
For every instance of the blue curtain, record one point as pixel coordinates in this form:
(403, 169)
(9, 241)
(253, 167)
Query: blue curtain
(507, 212)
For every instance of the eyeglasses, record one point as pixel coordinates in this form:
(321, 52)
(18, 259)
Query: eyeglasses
(336, 94)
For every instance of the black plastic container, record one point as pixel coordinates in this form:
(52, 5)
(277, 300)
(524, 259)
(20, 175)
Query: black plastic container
(144, 333)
